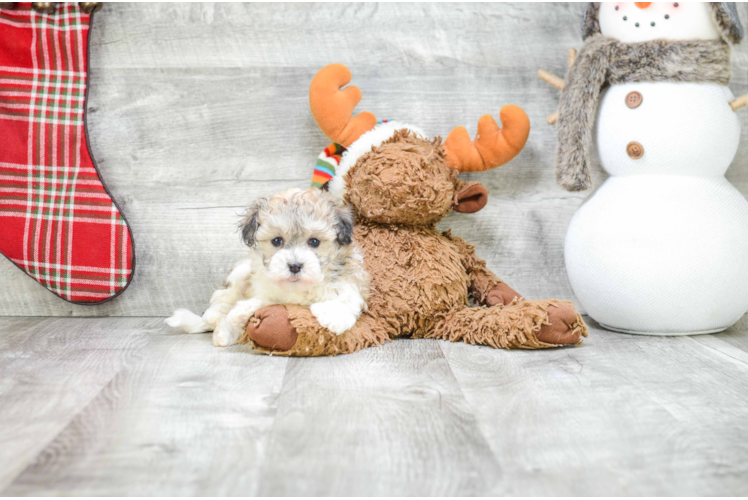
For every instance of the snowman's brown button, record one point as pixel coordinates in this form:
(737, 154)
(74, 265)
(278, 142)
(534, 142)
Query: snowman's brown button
(633, 99)
(635, 150)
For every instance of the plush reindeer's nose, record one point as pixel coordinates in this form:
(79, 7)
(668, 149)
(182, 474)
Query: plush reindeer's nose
(642, 5)
(295, 267)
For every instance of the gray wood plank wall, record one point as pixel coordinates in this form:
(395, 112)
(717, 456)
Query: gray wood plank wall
(197, 109)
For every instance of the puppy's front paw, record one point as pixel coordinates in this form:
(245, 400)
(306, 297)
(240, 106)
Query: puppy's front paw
(224, 335)
(239, 318)
(213, 316)
(231, 328)
(334, 316)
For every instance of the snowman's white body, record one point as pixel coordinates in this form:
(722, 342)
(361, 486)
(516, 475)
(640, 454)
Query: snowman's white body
(662, 246)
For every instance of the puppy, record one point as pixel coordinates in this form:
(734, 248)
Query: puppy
(300, 253)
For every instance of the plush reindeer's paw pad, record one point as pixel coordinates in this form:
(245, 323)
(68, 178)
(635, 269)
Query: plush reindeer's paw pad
(333, 317)
(501, 295)
(270, 328)
(566, 326)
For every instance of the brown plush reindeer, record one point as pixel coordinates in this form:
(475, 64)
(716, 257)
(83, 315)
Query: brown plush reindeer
(400, 184)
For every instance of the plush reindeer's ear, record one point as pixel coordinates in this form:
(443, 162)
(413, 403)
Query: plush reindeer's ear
(250, 223)
(470, 198)
(344, 224)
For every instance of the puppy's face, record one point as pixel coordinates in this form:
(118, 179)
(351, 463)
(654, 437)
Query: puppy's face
(298, 235)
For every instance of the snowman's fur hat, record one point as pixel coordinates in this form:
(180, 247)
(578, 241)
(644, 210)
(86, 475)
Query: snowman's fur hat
(725, 14)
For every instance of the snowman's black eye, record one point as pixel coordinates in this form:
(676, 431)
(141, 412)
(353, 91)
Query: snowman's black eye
(667, 16)
(652, 23)
(675, 4)
(637, 25)
(616, 7)
(625, 18)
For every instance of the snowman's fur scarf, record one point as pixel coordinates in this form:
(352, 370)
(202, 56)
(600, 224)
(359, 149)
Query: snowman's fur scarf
(328, 275)
(725, 14)
(607, 61)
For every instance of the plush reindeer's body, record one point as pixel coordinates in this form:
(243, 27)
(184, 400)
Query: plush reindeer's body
(421, 278)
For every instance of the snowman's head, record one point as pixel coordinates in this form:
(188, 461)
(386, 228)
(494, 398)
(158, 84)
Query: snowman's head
(632, 22)
(642, 21)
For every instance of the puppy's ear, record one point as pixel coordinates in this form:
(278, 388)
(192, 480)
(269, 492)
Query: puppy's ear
(344, 224)
(250, 222)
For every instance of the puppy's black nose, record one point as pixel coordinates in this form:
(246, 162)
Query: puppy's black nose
(295, 267)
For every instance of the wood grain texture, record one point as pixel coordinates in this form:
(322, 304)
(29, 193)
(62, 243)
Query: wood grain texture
(196, 109)
(618, 415)
(50, 370)
(386, 421)
(178, 420)
(123, 406)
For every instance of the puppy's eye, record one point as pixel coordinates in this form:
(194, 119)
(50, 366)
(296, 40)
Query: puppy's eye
(313, 242)
(277, 241)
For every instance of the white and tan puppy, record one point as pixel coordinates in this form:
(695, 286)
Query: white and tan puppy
(301, 252)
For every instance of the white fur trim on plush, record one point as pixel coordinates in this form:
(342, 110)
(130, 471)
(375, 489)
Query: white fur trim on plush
(363, 144)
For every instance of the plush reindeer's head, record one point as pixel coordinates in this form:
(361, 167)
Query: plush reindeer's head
(391, 173)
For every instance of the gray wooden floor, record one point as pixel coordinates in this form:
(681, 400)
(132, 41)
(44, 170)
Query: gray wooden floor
(123, 406)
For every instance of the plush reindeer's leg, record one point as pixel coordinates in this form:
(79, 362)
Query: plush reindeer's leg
(510, 320)
(525, 324)
(289, 330)
(485, 287)
(502, 295)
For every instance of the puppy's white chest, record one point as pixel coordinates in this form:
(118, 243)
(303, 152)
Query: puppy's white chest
(269, 292)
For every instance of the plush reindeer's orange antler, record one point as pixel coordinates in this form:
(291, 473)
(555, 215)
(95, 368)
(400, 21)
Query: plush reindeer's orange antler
(332, 108)
(493, 146)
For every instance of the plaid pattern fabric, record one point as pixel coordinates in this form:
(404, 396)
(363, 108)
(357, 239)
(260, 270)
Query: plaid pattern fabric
(57, 220)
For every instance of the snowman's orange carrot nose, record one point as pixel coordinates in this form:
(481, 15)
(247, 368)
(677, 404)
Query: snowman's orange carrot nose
(642, 5)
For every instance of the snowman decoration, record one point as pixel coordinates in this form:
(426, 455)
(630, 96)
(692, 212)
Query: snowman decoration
(661, 247)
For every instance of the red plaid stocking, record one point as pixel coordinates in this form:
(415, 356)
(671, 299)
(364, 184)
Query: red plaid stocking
(57, 220)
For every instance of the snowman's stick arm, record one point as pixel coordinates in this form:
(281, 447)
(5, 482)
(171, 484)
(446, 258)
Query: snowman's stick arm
(572, 56)
(557, 82)
(739, 102)
(551, 79)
